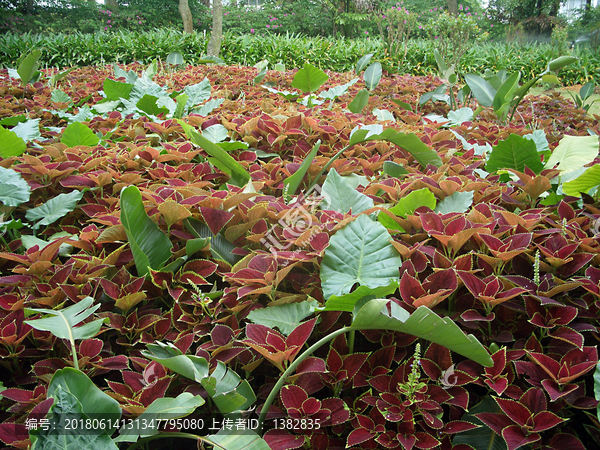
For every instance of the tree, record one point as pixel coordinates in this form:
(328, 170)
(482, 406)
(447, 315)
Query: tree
(453, 7)
(214, 45)
(186, 16)
(111, 4)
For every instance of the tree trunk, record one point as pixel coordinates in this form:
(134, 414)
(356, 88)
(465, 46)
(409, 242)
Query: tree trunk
(186, 16)
(214, 45)
(453, 7)
(112, 5)
(588, 5)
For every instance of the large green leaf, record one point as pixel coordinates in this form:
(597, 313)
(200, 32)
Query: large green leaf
(561, 62)
(481, 89)
(29, 130)
(292, 183)
(309, 78)
(408, 205)
(505, 94)
(199, 92)
(219, 157)
(62, 435)
(483, 437)
(459, 202)
(29, 66)
(79, 134)
(336, 91)
(360, 253)
(515, 152)
(165, 408)
(10, 143)
(285, 317)
(59, 96)
(208, 107)
(62, 323)
(359, 101)
(347, 302)
(148, 104)
(54, 209)
(215, 133)
(423, 323)
(583, 183)
(362, 63)
(151, 248)
(412, 144)
(116, 90)
(227, 390)
(573, 152)
(394, 170)
(14, 190)
(175, 58)
(340, 196)
(94, 402)
(245, 439)
(373, 75)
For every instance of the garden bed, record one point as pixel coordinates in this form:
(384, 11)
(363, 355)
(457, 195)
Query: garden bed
(212, 230)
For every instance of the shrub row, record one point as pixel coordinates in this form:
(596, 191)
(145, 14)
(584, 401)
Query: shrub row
(62, 50)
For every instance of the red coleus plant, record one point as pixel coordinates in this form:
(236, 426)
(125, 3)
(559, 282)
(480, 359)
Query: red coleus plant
(522, 421)
(555, 374)
(274, 346)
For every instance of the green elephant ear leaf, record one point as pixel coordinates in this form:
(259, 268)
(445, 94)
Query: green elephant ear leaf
(383, 314)
(62, 435)
(360, 253)
(285, 317)
(151, 248)
(516, 153)
(11, 144)
(93, 401)
(340, 196)
(309, 78)
(78, 134)
(14, 190)
(54, 209)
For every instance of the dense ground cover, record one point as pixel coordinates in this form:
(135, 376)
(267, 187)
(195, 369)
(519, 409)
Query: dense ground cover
(118, 214)
(61, 50)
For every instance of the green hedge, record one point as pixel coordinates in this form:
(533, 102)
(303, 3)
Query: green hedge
(61, 50)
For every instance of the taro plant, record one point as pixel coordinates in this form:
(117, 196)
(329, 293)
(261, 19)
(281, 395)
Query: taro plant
(502, 91)
(580, 98)
(449, 77)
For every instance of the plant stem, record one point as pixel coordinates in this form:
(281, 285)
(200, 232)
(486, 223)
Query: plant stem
(271, 398)
(351, 341)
